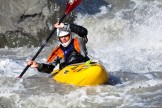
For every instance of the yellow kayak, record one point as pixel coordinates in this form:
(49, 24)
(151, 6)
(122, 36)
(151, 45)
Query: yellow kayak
(82, 74)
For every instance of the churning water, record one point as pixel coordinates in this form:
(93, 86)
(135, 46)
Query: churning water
(125, 36)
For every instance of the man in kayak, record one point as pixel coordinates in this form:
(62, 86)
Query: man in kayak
(71, 49)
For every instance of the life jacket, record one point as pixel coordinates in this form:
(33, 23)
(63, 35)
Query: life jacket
(58, 52)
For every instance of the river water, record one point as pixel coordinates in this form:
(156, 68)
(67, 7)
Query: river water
(125, 36)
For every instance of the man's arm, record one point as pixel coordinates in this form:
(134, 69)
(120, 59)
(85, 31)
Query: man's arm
(81, 31)
(45, 68)
(48, 68)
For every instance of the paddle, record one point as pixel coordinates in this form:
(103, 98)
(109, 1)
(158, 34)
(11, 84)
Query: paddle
(70, 5)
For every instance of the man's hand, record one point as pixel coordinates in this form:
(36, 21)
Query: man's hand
(33, 64)
(58, 26)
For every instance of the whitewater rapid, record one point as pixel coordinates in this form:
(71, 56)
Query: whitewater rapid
(125, 38)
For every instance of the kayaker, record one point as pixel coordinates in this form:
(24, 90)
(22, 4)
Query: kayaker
(71, 49)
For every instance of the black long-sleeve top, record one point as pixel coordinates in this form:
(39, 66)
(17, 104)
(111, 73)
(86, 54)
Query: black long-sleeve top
(79, 30)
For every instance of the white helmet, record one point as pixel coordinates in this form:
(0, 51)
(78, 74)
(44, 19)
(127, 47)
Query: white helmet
(61, 33)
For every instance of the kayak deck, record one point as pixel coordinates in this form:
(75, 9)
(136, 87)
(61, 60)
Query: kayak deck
(82, 74)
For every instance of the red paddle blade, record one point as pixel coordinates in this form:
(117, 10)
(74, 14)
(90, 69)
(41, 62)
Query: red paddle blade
(71, 4)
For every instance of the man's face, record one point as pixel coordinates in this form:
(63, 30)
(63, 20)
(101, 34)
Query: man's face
(65, 39)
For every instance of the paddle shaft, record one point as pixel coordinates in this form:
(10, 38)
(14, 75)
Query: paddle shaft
(42, 46)
(71, 4)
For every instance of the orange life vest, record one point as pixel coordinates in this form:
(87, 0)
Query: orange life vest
(57, 52)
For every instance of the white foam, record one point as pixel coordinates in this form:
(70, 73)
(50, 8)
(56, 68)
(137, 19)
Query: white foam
(129, 44)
